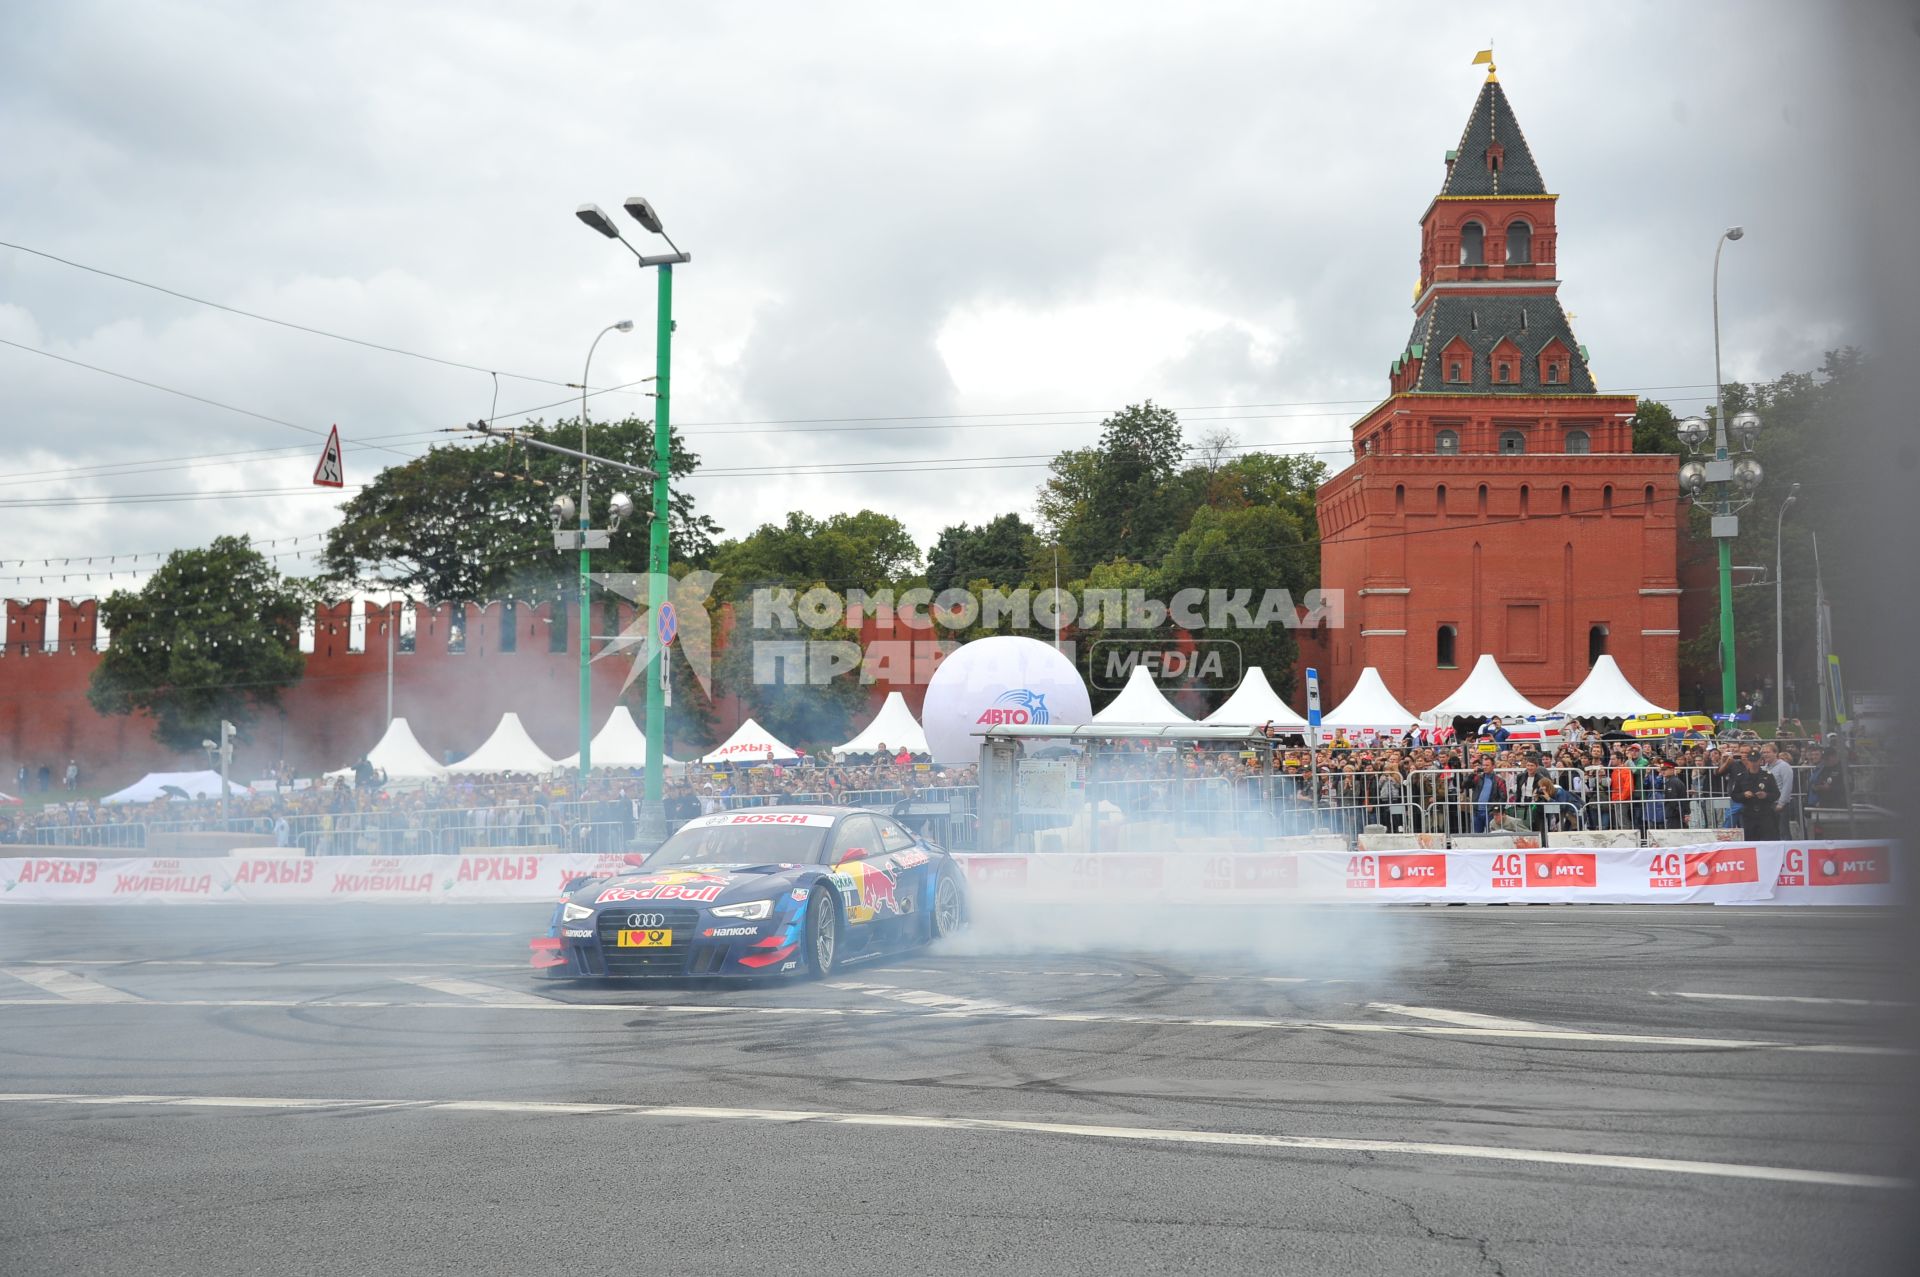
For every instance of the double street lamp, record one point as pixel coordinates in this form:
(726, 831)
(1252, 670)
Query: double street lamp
(1720, 483)
(653, 813)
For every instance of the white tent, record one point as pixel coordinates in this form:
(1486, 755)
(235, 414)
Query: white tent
(509, 749)
(894, 726)
(1254, 703)
(1139, 702)
(750, 743)
(153, 786)
(1485, 693)
(400, 756)
(1369, 706)
(1606, 693)
(620, 743)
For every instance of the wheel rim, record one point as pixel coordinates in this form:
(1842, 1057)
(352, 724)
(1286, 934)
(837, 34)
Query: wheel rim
(946, 906)
(823, 937)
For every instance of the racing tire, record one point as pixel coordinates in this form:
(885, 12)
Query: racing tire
(822, 937)
(949, 912)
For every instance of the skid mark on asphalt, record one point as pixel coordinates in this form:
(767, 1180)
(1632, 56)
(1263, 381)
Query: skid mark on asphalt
(1470, 1019)
(1020, 1015)
(485, 994)
(1080, 1130)
(1111, 975)
(1776, 997)
(67, 985)
(278, 964)
(941, 1002)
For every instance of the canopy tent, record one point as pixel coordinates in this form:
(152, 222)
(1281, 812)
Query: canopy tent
(399, 755)
(1486, 693)
(750, 743)
(894, 726)
(156, 785)
(509, 749)
(1369, 706)
(1254, 703)
(620, 743)
(1139, 701)
(1606, 693)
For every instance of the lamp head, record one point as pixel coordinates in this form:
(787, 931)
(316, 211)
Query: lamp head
(1746, 428)
(1747, 474)
(1693, 478)
(625, 326)
(1735, 232)
(643, 212)
(563, 511)
(1693, 432)
(593, 216)
(620, 508)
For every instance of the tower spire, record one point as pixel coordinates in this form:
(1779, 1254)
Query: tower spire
(1486, 55)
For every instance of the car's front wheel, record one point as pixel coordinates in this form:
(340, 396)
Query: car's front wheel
(823, 931)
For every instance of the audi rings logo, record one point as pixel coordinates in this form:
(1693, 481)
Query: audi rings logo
(646, 921)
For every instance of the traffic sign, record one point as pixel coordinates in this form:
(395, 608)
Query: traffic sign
(668, 624)
(331, 472)
(1313, 697)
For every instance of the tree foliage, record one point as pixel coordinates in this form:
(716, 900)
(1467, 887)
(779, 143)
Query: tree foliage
(1001, 550)
(865, 549)
(214, 634)
(471, 523)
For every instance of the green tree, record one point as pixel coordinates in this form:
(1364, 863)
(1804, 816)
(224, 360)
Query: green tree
(864, 548)
(1000, 550)
(470, 523)
(214, 634)
(1105, 502)
(788, 686)
(1246, 551)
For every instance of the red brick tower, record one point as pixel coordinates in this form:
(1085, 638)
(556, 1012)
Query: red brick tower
(1495, 503)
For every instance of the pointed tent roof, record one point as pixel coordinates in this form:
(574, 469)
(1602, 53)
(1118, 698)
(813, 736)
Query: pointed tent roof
(893, 727)
(1369, 704)
(1485, 691)
(1493, 122)
(750, 743)
(509, 749)
(620, 743)
(153, 786)
(1139, 701)
(1255, 703)
(1606, 693)
(401, 756)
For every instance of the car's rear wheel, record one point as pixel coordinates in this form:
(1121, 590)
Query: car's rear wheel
(823, 932)
(949, 906)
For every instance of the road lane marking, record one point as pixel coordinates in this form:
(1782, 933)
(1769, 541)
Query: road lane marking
(1148, 1134)
(387, 965)
(486, 994)
(1471, 1019)
(938, 1001)
(67, 985)
(1775, 997)
(1018, 1015)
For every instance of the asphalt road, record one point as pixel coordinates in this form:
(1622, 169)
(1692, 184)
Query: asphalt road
(1445, 1090)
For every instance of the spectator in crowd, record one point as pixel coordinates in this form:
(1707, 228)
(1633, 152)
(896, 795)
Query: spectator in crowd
(1758, 795)
(1782, 772)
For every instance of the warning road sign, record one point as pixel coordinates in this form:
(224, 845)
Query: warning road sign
(330, 473)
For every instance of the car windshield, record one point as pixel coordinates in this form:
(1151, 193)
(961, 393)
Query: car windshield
(741, 845)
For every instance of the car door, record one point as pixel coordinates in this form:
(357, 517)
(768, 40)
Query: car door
(866, 893)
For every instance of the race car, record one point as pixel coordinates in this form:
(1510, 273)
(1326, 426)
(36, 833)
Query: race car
(760, 892)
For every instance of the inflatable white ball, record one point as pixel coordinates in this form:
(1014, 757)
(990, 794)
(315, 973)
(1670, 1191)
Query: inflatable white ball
(998, 681)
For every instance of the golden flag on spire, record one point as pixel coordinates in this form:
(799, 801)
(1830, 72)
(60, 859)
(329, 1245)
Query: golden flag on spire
(1484, 56)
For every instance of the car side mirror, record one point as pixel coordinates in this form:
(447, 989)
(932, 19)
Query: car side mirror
(853, 853)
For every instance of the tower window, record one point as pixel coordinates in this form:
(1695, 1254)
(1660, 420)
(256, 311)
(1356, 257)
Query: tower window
(1440, 499)
(1519, 244)
(1606, 499)
(1447, 442)
(1553, 374)
(1512, 443)
(509, 627)
(1596, 644)
(1444, 641)
(1473, 245)
(1453, 372)
(1579, 442)
(1506, 373)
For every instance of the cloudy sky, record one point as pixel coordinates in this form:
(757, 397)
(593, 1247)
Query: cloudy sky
(929, 251)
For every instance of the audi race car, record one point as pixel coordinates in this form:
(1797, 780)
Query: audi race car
(765, 891)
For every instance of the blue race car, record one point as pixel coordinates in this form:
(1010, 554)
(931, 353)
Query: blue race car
(764, 891)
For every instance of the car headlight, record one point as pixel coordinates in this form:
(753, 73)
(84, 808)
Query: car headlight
(751, 910)
(575, 913)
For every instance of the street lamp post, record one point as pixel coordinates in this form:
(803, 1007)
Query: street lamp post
(1779, 617)
(586, 609)
(653, 813)
(1726, 476)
